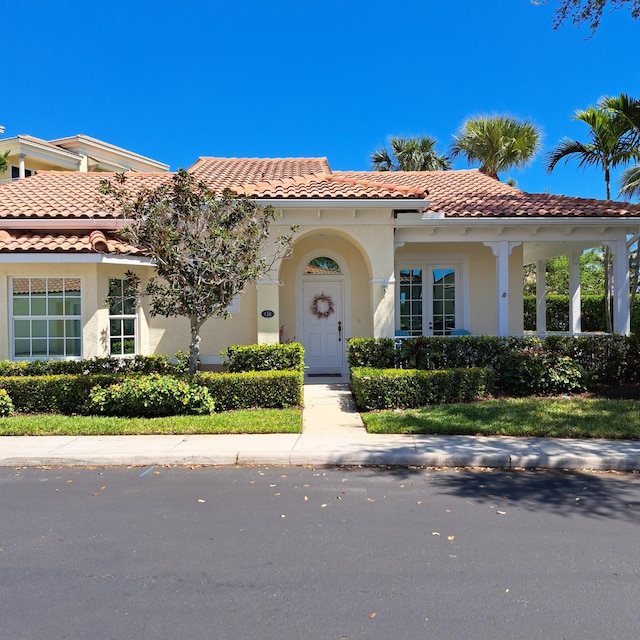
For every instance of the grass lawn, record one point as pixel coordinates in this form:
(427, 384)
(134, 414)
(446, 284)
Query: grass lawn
(253, 421)
(545, 417)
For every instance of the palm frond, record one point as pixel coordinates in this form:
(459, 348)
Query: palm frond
(630, 183)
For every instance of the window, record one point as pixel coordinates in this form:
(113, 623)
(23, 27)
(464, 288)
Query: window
(323, 267)
(15, 172)
(411, 302)
(430, 298)
(123, 317)
(443, 292)
(46, 318)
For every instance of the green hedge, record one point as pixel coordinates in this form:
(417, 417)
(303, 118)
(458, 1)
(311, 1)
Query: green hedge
(380, 353)
(68, 394)
(610, 359)
(6, 405)
(150, 396)
(53, 394)
(250, 389)
(264, 357)
(137, 364)
(410, 388)
(592, 309)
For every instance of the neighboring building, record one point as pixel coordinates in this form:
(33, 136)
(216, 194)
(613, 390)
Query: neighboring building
(28, 155)
(376, 254)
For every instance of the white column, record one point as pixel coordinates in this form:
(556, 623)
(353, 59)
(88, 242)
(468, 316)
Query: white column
(541, 296)
(21, 168)
(621, 310)
(575, 321)
(384, 296)
(268, 293)
(502, 251)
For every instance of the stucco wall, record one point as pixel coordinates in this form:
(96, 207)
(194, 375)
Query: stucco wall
(357, 282)
(480, 276)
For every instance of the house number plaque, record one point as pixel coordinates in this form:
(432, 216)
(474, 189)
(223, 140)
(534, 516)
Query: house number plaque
(267, 313)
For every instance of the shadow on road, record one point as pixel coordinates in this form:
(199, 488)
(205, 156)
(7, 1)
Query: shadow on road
(600, 495)
(594, 495)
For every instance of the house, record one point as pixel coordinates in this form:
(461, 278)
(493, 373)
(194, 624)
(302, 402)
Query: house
(375, 254)
(28, 154)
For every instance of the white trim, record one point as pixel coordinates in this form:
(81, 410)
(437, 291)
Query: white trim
(426, 261)
(74, 258)
(46, 317)
(58, 224)
(399, 204)
(591, 221)
(344, 278)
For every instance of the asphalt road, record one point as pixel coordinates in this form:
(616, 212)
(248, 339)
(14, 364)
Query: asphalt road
(300, 553)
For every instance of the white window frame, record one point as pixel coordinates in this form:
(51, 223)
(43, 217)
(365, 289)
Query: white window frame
(120, 318)
(426, 262)
(46, 317)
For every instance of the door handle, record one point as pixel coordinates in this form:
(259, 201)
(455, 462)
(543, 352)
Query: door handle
(339, 330)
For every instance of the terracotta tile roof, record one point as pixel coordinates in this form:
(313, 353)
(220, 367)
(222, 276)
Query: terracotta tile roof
(52, 195)
(471, 194)
(328, 186)
(221, 173)
(64, 194)
(96, 241)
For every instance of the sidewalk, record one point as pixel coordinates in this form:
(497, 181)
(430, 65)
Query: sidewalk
(333, 434)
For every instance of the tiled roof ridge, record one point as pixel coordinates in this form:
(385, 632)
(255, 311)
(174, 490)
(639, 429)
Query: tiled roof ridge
(389, 186)
(55, 241)
(266, 159)
(313, 178)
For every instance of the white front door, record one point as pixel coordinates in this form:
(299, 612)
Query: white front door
(322, 326)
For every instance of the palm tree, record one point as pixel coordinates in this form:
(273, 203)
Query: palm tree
(4, 161)
(610, 146)
(498, 143)
(410, 154)
(629, 110)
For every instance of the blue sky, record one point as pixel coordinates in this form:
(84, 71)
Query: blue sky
(179, 80)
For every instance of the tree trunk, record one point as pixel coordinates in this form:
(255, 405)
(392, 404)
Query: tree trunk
(194, 346)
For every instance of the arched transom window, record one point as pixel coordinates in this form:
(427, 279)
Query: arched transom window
(322, 266)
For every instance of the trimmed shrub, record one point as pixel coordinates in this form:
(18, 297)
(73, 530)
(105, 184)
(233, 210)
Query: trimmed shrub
(137, 364)
(264, 357)
(527, 372)
(609, 359)
(53, 394)
(6, 406)
(411, 388)
(379, 353)
(251, 389)
(69, 394)
(150, 397)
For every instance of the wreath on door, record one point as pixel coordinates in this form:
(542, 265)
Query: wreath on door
(322, 306)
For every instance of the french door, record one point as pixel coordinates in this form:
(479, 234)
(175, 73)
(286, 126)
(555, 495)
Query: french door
(429, 300)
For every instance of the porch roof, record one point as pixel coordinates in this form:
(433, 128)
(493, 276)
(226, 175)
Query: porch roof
(63, 242)
(468, 193)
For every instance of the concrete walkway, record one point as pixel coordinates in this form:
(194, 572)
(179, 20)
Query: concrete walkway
(333, 434)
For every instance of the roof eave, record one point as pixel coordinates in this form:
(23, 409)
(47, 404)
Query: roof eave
(344, 203)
